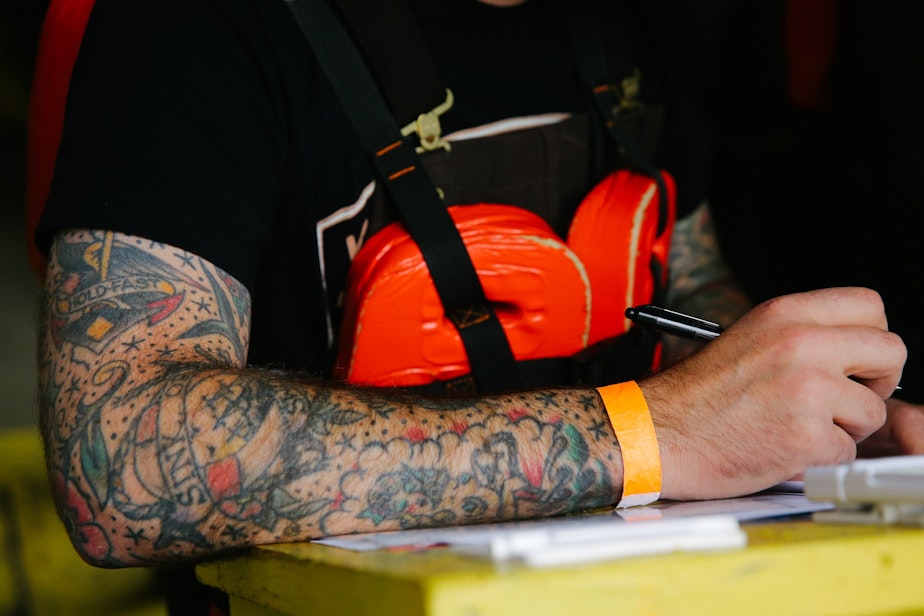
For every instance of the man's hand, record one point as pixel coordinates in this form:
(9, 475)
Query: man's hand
(903, 432)
(795, 383)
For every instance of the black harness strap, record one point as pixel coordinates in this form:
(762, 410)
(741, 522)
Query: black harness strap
(389, 37)
(423, 212)
(591, 55)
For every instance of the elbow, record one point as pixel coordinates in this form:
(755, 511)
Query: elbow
(78, 506)
(85, 485)
(96, 545)
(99, 536)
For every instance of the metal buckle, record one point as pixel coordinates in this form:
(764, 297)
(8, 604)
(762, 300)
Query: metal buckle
(428, 129)
(627, 91)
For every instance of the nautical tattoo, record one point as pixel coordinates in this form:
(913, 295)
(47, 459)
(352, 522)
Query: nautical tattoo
(162, 445)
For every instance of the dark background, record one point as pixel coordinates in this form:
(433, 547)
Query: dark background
(19, 26)
(20, 21)
(824, 186)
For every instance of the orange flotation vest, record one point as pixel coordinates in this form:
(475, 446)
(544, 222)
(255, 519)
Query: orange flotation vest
(554, 298)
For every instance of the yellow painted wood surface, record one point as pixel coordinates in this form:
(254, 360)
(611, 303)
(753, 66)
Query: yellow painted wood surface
(789, 568)
(40, 573)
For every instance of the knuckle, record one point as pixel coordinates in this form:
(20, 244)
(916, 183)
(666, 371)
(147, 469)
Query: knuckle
(797, 341)
(897, 345)
(848, 451)
(874, 412)
(870, 296)
(778, 306)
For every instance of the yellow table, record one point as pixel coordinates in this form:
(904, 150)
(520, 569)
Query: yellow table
(40, 572)
(795, 567)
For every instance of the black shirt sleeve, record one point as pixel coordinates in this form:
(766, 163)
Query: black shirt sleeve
(186, 78)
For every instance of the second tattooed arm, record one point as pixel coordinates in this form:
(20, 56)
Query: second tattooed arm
(701, 283)
(163, 446)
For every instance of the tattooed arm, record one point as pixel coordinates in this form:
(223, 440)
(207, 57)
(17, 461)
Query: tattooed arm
(701, 282)
(163, 446)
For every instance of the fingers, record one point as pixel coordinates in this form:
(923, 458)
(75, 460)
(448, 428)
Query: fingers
(870, 356)
(795, 383)
(831, 416)
(861, 413)
(908, 429)
(836, 306)
(903, 431)
(843, 330)
(843, 448)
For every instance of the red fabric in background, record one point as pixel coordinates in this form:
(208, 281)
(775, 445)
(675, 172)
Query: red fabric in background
(62, 33)
(811, 39)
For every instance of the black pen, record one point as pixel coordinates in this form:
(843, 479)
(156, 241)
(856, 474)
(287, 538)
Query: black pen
(678, 324)
(673, 322)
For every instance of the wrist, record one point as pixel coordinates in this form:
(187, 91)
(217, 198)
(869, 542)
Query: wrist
(680, 471)
(629, 415)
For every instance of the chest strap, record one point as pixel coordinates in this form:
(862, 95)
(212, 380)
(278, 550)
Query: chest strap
(419, 204)
(391, 42)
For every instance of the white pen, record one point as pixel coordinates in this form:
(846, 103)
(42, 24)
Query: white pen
(604, 538)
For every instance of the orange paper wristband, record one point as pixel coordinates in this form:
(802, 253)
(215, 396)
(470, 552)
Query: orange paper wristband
(641, 459)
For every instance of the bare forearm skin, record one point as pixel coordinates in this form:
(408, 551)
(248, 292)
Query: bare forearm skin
(162, 446)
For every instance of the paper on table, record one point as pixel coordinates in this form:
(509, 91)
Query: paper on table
(764, 505)
(759, 506)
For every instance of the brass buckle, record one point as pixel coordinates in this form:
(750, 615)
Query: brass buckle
(628, 92)
(428, 129)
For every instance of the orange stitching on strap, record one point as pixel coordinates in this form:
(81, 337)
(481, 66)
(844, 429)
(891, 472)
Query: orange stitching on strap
(388, 148)
(398, 174)
(467, 317)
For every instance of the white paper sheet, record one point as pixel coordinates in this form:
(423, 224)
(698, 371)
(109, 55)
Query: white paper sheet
(779, 502)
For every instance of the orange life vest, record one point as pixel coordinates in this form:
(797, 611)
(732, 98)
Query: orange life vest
(554, 298)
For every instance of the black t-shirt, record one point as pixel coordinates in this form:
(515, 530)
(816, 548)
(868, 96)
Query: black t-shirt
(208, 125)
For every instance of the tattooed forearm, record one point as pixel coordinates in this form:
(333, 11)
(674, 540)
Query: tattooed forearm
(162, 446)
